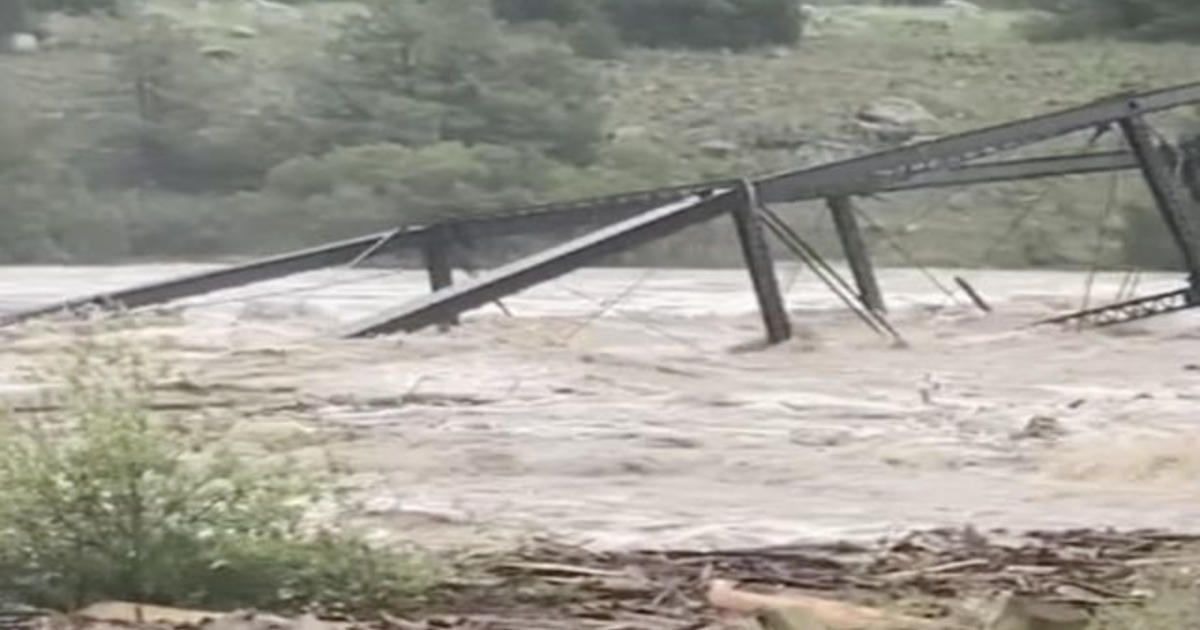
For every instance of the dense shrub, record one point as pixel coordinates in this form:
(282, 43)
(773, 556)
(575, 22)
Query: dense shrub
(1136, 19)
(14, 16)
(417, 74)
(75, 6)
(732, 24)
(102, 499)
(178, 131)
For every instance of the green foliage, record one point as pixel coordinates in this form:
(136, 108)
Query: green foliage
(14, 16)
(101, 499)
(1152, 20)
(174, 134)
(76, 6)
(45, 211)
(416, 75)
(732, 24)
(594, 38)
(735, 24)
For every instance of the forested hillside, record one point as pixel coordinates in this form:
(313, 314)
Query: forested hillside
(180, 128)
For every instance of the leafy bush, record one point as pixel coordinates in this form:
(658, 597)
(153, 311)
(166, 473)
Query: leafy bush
(732, 24)
(14, 16)
(175, 133)
(101, 499)
(415, 75)
(707, 23)
(76, 6)
(1137, 19)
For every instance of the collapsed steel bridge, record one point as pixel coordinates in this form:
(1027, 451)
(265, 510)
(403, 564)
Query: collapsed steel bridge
(639, 217)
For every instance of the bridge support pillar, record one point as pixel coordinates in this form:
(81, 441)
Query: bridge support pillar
(762, 268)
(855, 250)
(436, 251)
(1179, 215)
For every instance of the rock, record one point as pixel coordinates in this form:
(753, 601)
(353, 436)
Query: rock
(718, 148)
(131, 613)
(963, 8)
(896, 111)
(220, 53)
(1041, 428)
(277, 8)
(890, 134)
(310, 622)
(244, 32)
(23, 43)
(894, 119)
(629, 132)
(247, 620)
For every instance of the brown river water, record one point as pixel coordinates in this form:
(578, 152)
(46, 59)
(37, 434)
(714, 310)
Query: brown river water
(649, 423)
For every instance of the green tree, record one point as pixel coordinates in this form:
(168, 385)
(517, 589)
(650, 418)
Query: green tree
(733, 24)
(76, 6)
(416, 73)
(1134, 19)
(14, 16)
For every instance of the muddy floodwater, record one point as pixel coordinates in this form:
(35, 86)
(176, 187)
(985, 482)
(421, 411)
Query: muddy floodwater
(650, 420)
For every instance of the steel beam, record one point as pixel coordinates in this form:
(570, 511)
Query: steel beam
(339, 253)
(761, 268)
(550, 217)
(548, 264)
(1013, 170)
(857, 256)
(436, 251)
(1123, 312)
(900, 163)
(935, 163)
(1179, 215)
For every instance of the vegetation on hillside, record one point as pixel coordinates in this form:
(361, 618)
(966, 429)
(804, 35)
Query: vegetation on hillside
(1152, 20)
(734, 24)
(103, 499)
(181, 130)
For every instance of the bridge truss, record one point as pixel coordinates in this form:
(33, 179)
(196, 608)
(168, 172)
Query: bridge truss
(635, 218)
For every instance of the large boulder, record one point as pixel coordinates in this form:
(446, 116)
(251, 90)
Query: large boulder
(963, 8)
(21, 43)
(896, 119)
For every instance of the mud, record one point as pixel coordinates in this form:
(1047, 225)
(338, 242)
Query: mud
(650, 423)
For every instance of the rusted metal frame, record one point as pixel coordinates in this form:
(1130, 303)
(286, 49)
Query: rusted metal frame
(1121, 312)
(548, 264)
(436, 253)
(832, 279)
(339, 253)
(881, 171)
(567, 215)
(1178, 213)
(855, 250)
(1180, 216)
(535, 218)
(980, 303)
(904, 162)
(761, 267)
